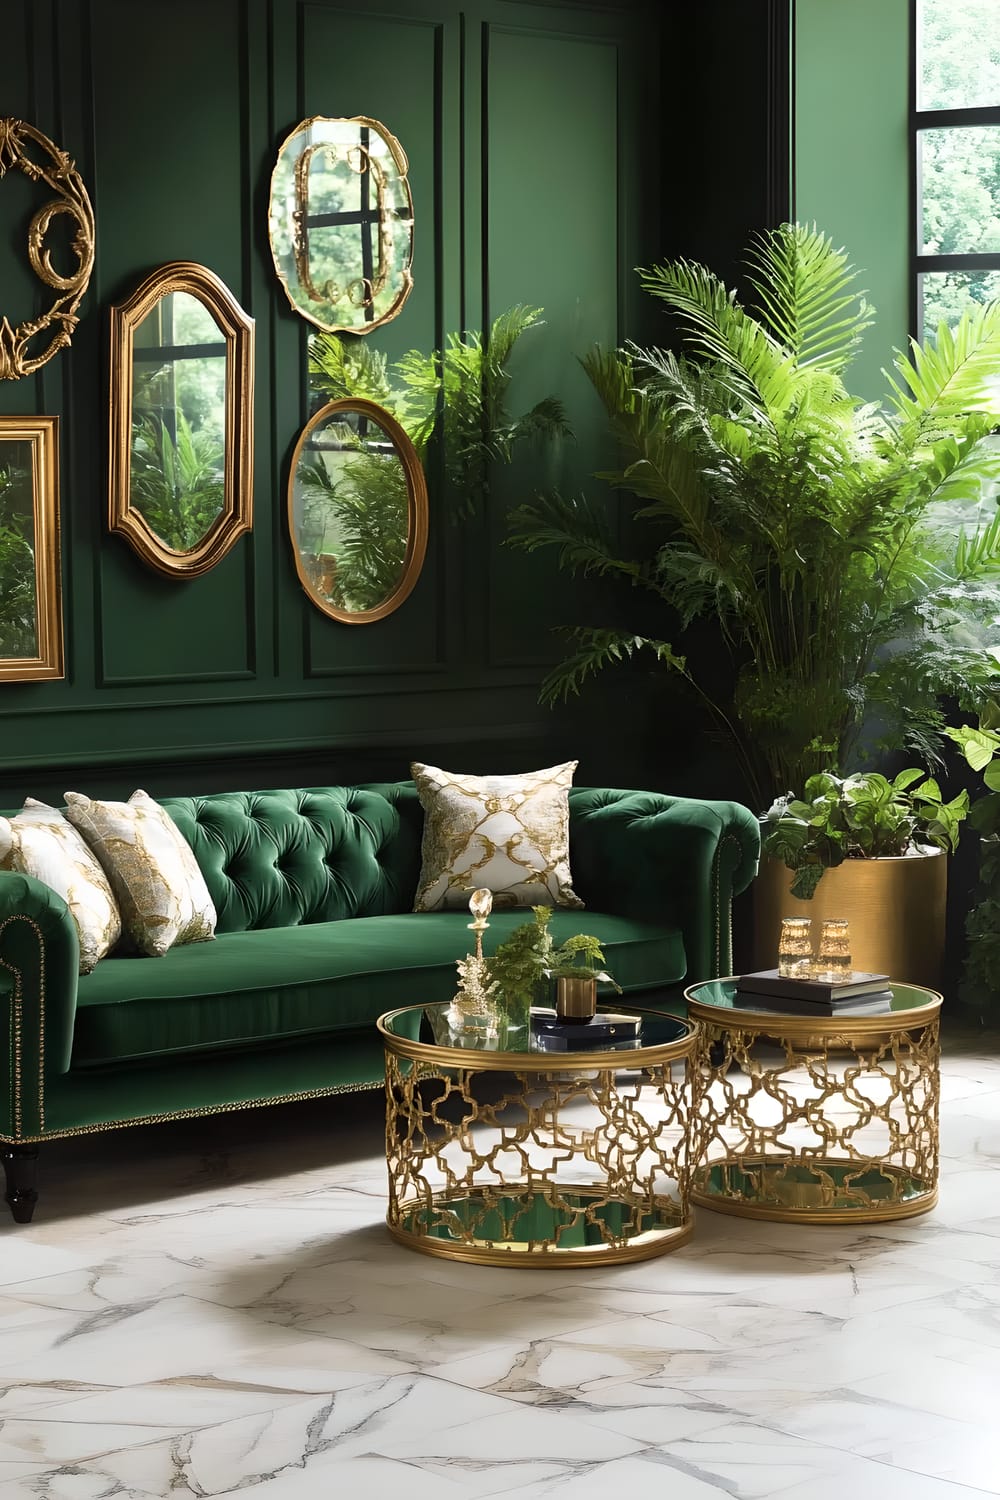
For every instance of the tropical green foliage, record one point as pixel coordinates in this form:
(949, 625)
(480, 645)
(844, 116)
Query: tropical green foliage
(981, 748)
(18, 605)
(460, 392)
(859, 817)
(176, 478)
(811, 530)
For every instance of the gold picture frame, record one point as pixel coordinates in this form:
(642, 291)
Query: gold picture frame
(193, 554)
(31, 630)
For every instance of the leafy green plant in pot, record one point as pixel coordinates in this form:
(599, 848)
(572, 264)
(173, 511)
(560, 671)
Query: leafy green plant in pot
(865, 816)
(840, 557)
(869, 850)
(526, 964)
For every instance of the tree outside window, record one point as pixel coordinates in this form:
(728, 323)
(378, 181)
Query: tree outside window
(956, 122)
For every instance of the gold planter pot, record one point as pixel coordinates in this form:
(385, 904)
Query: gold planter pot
(896, 908)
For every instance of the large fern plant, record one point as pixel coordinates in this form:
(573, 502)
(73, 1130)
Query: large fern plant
(460, 391)
(847, 554)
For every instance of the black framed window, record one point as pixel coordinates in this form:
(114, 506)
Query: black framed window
(955, 118)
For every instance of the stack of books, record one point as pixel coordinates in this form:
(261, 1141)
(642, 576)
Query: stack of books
(863, 994)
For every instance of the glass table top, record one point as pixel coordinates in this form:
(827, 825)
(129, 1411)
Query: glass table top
(721, 994)
(615, 1029)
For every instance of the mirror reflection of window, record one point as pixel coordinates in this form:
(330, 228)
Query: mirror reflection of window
(178, 420)
(341, 223)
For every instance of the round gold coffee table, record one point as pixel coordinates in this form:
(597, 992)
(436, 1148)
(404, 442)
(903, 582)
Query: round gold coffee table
(816, 1119)
(516, 1155)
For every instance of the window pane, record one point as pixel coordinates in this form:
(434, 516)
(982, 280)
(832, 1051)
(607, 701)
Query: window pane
(959, 190)
(958, 54)
(945, 295)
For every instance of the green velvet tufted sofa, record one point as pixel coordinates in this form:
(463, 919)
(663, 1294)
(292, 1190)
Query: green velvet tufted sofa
(316, 938)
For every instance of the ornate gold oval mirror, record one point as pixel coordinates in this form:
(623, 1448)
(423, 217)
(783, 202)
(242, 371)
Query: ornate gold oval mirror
(26, 148)
(181, 473)
(340, 222)
(357, 511)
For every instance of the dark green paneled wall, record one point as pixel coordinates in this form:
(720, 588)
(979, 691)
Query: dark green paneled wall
(853, 155)
(533, 138)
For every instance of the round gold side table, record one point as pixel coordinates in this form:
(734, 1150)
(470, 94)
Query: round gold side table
(816, 1119)
(555, 1157)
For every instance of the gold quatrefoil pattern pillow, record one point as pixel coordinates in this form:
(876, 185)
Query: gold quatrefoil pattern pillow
(153, 872)
(39, 842)
(507, 833)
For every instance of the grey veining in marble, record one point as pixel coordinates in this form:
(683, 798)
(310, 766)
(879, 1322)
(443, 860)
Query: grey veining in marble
(214, 1309)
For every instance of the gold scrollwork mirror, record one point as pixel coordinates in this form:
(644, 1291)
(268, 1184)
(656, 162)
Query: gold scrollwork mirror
(340, 222)
(181, 471)
(357, 511)
(31, 635)
(26, 148)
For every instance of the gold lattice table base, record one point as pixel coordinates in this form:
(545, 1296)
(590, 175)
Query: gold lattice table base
(525, 1162)
(829, 1121)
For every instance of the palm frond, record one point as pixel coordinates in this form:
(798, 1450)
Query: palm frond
(579, 532)
(546, 419)
(597, 649)
(948, 376)
(805, 287)
(758, 371)
(340, 370)
(506, 329)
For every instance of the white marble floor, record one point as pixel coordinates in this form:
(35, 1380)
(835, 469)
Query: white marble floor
(212, 1309)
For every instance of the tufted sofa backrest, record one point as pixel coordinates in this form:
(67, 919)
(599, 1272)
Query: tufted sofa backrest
(281, 858)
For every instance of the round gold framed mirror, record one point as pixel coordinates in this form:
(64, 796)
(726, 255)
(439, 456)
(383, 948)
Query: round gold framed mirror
(357, 511)
(340, 223)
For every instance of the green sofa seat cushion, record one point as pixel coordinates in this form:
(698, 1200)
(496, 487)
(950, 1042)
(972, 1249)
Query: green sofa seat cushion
(282, 982)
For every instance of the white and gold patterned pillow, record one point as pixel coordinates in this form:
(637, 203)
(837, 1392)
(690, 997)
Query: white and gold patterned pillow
(39, 842)
(161, 891)
(509, 834)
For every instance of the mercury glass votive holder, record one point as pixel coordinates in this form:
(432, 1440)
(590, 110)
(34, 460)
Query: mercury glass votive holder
(795, 948)
(833, 957)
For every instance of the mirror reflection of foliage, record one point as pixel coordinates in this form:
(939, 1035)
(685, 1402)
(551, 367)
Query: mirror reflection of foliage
(18, 612)
(177, 469)
(460, 391)
(355, 521)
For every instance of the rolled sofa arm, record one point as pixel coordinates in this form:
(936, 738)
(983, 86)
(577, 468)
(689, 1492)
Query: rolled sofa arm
(666, 859)
(39, 964)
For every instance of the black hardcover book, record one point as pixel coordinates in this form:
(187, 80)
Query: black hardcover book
(770, 982)
(877, 1003)
(602, 1030)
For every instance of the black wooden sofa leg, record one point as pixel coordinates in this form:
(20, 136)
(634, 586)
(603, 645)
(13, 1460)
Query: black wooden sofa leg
(20, 1164)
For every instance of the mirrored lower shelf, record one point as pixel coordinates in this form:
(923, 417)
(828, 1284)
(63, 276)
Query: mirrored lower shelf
(832, 1190)
(542, 1226)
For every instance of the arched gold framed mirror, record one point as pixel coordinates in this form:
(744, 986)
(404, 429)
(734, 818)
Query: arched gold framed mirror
(181, 469)
(357, 511)
(340, 223)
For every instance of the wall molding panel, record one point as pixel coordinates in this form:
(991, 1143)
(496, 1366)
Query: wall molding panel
(527, 159)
